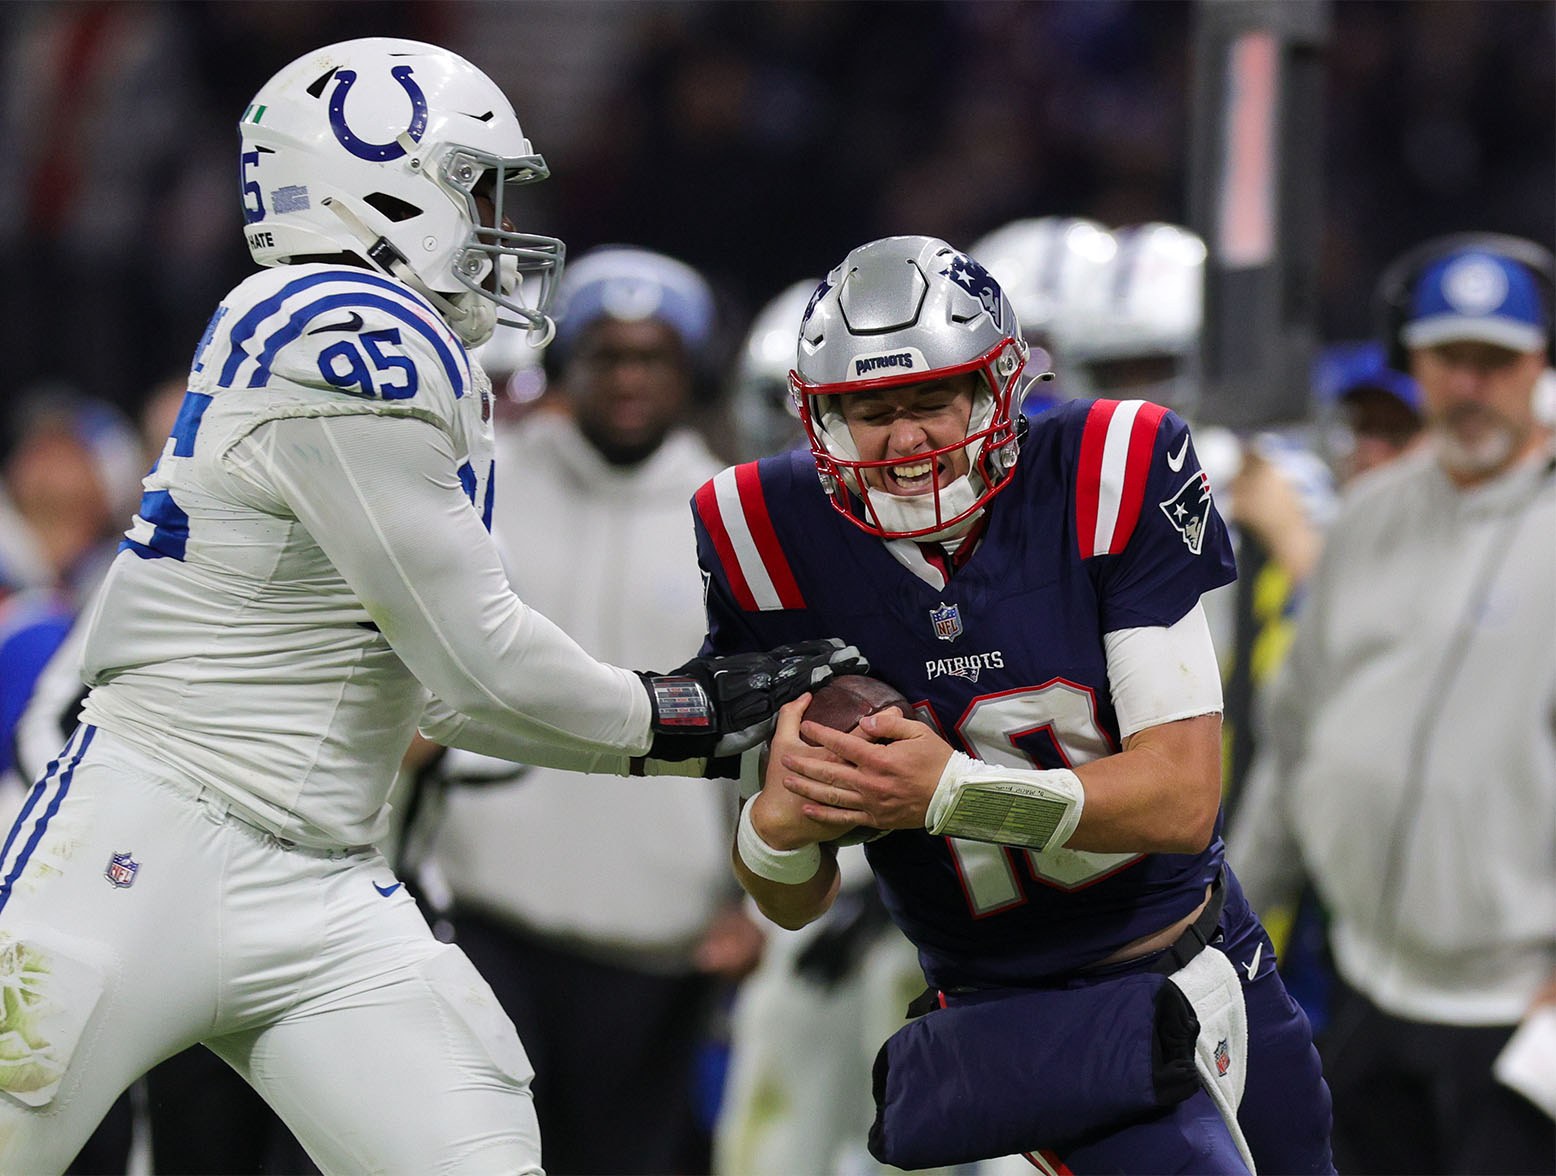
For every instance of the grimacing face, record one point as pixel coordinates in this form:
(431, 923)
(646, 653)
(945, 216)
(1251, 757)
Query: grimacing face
(905, 424)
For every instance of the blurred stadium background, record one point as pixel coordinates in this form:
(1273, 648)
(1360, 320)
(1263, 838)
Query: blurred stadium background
(758, 140)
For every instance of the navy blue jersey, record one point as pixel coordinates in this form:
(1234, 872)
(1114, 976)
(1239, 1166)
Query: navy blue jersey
(1107, 524)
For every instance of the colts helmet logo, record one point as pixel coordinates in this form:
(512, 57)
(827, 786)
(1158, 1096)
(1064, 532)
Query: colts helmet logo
(977, 281)
(377, 152)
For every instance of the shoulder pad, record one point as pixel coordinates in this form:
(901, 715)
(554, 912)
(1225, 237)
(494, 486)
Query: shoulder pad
(732, 512)
(338, 330)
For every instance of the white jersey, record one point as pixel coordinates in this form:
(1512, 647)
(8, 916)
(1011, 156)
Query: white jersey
(311, 557)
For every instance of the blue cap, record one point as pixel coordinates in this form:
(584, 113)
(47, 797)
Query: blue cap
(633, 285)
(1344, 368)
(1479, 296)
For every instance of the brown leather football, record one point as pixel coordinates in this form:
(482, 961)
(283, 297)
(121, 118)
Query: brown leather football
(840, 704)
(846, 699)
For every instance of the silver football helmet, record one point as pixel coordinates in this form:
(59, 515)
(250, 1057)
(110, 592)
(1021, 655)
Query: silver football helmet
(407, 156)
(765, 417)
(1135, 328)
(903, 310)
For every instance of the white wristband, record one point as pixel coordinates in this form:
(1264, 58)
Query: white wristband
(788, 866)
(1009, 806)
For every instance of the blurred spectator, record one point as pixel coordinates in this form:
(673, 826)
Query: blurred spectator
(1410, 771)
(1379, 409)
(605, 946)
(761, 407)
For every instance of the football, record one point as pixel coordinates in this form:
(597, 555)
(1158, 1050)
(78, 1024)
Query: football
(840, 704)
(846, 699)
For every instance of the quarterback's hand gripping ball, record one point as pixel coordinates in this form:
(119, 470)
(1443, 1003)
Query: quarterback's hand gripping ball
(839, 705)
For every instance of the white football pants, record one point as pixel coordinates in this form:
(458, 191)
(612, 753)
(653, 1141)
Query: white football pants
(138, 917)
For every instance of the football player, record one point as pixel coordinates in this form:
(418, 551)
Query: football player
(309, 578)
(1052, 806)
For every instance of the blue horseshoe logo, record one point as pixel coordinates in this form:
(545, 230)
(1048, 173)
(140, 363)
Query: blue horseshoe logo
(377, 152)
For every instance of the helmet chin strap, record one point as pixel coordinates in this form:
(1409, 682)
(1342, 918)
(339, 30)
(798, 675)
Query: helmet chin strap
(905, 513)
(470, 316)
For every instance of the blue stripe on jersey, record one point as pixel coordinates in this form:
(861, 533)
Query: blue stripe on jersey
(245, 327)
(38, 791)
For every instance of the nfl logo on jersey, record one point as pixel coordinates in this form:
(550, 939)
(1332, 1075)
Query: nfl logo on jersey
(947, 620)
(121, 869)
(1223, 1058)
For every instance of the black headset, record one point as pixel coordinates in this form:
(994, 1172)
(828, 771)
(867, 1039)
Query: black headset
(1396, 288)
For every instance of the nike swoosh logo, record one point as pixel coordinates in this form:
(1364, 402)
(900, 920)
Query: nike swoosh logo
(386, 891)
(354, 323)
(1253, 964)
(1175, 460)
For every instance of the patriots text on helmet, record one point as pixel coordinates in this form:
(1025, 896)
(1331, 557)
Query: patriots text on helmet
(873, 363)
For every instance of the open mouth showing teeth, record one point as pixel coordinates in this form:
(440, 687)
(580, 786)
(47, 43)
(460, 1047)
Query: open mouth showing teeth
(912, 477)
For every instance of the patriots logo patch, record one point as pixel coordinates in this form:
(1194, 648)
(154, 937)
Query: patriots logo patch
(1189, 511)
(121, 870)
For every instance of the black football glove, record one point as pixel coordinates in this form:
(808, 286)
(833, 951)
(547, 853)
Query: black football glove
(721, 706)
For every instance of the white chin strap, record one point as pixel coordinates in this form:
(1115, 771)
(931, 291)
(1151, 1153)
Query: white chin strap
(903, 513)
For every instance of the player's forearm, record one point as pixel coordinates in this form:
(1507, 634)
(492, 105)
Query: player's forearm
(1160, 794)
(791, 906)
(382, 499)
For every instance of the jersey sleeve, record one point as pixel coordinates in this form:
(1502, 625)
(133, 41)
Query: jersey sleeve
(744, 568)
(1145, 516)
(318, 340)
(384, 503)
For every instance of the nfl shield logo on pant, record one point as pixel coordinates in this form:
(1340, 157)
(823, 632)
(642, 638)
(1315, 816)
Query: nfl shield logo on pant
(121, 869)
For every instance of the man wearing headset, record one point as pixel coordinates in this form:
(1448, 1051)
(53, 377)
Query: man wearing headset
(1412, 769)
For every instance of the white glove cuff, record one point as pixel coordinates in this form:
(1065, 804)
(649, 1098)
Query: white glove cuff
(788, 866)
(1009, 806)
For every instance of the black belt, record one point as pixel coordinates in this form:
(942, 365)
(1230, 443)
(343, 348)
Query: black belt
(1198, 934)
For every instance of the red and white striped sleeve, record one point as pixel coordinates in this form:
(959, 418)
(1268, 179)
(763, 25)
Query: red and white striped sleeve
(734, 511)
(1116, 448)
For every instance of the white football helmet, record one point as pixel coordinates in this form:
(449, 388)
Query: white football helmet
(765, 417)
(1134, 329)
(1043, 264)
(390, 150)
(903, 310)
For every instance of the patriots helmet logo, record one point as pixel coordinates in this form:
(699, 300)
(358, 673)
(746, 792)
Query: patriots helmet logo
(977, 281)
(1189, 510)
(821, 292)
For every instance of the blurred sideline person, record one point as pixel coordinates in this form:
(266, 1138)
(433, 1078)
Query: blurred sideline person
(308, 580)
(1410, 770)
(806, 1025)
(1046, 265)
(1134, 330)
(761, 408)
(1379, 409)
(1051, 812)
(605, 949)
